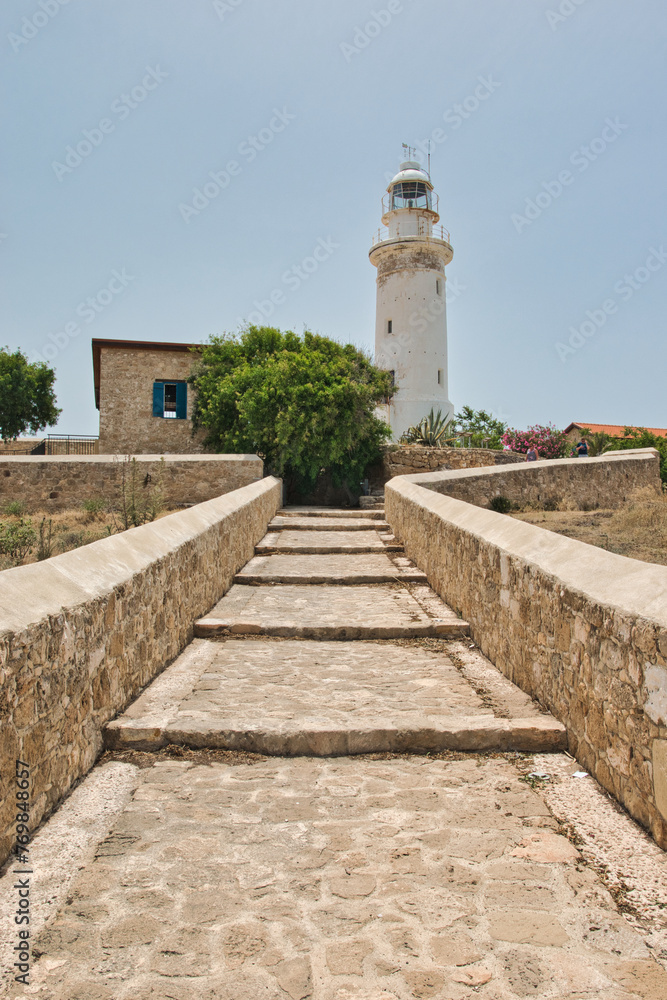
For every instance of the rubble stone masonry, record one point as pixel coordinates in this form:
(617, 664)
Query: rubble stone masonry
(82, 633)
(582, 630)
(64, 481)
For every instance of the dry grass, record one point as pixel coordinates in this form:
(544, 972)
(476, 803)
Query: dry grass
(70, 529)
(638, 529)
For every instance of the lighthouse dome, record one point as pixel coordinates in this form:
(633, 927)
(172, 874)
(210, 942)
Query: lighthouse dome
(410, 170)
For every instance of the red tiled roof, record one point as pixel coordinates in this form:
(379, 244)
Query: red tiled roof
(615, 430)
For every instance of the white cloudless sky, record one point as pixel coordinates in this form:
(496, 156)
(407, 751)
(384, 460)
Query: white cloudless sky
(329, 91)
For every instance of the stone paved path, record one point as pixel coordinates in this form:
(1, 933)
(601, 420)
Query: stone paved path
(366, 876)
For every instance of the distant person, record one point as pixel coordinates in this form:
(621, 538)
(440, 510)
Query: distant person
(531, 454)
(582, 448)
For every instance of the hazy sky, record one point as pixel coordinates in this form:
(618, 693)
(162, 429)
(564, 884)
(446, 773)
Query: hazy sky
(549, 156)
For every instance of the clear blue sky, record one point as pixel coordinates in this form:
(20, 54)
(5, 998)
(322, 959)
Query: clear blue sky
(329, 91)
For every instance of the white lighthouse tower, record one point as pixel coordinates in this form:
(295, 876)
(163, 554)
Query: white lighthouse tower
(410, 254)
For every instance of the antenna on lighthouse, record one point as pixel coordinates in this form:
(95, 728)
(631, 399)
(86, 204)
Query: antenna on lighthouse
(428, 145)
(411, 150)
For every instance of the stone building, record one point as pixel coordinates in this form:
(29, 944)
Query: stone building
(143, 397)
(575, 430)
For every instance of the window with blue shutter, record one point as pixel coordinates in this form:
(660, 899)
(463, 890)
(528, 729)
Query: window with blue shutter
(170, 399)
(158, 399)
(181, 400)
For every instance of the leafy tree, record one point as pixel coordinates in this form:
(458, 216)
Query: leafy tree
(304, 404)
(27, 399)
(481, 427)
(550, 442)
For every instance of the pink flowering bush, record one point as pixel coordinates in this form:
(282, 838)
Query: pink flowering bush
(550, 442)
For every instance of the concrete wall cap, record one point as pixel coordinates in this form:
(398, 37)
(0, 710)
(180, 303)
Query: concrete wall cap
(423, 478)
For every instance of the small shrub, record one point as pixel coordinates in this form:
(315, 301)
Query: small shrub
(431, 431)
(45, 540)
(141, 498)
(15, 508)
(551, 503)
(502, 505)
(71, 540)
(17, 540)
(93, 508)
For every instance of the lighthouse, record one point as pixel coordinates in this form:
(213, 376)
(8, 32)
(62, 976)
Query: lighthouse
(410, 253)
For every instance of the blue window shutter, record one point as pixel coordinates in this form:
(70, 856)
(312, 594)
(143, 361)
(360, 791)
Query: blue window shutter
(181, 400)
(158, 399)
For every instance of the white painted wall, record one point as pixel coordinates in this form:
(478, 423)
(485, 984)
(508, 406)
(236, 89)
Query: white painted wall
(416, 349)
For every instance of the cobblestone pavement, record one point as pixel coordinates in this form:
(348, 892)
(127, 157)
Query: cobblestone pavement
(372, 876)
(391, 610)
(340, 879)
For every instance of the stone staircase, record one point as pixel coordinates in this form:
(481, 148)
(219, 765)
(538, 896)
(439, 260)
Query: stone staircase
(359, 854)
(355, 675)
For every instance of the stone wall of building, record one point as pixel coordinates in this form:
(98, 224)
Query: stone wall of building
(82, 633)
(65, 481)
(127, 424)
(578, 483)
(582, 630)
(409, 460)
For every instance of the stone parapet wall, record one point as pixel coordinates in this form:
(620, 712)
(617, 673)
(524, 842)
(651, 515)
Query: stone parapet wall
(407, 460)
(582, 630)
(82, 633)
(64, 481)
(580, 483)
(413, 459)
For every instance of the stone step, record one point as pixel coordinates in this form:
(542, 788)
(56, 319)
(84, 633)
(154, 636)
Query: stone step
(314, 542)
(388, 611)
(327, 524)
(480, 734)
(338, 569)
(325, 698)
(356, 513)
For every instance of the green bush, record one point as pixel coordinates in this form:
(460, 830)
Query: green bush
(502, 505)
(15, 508)
(94, 507)
(17, 540)
(481, 428)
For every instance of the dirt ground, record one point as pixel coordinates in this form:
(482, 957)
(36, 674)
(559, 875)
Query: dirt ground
(637, 530)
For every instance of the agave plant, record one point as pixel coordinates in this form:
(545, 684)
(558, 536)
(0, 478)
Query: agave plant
(431, 431)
